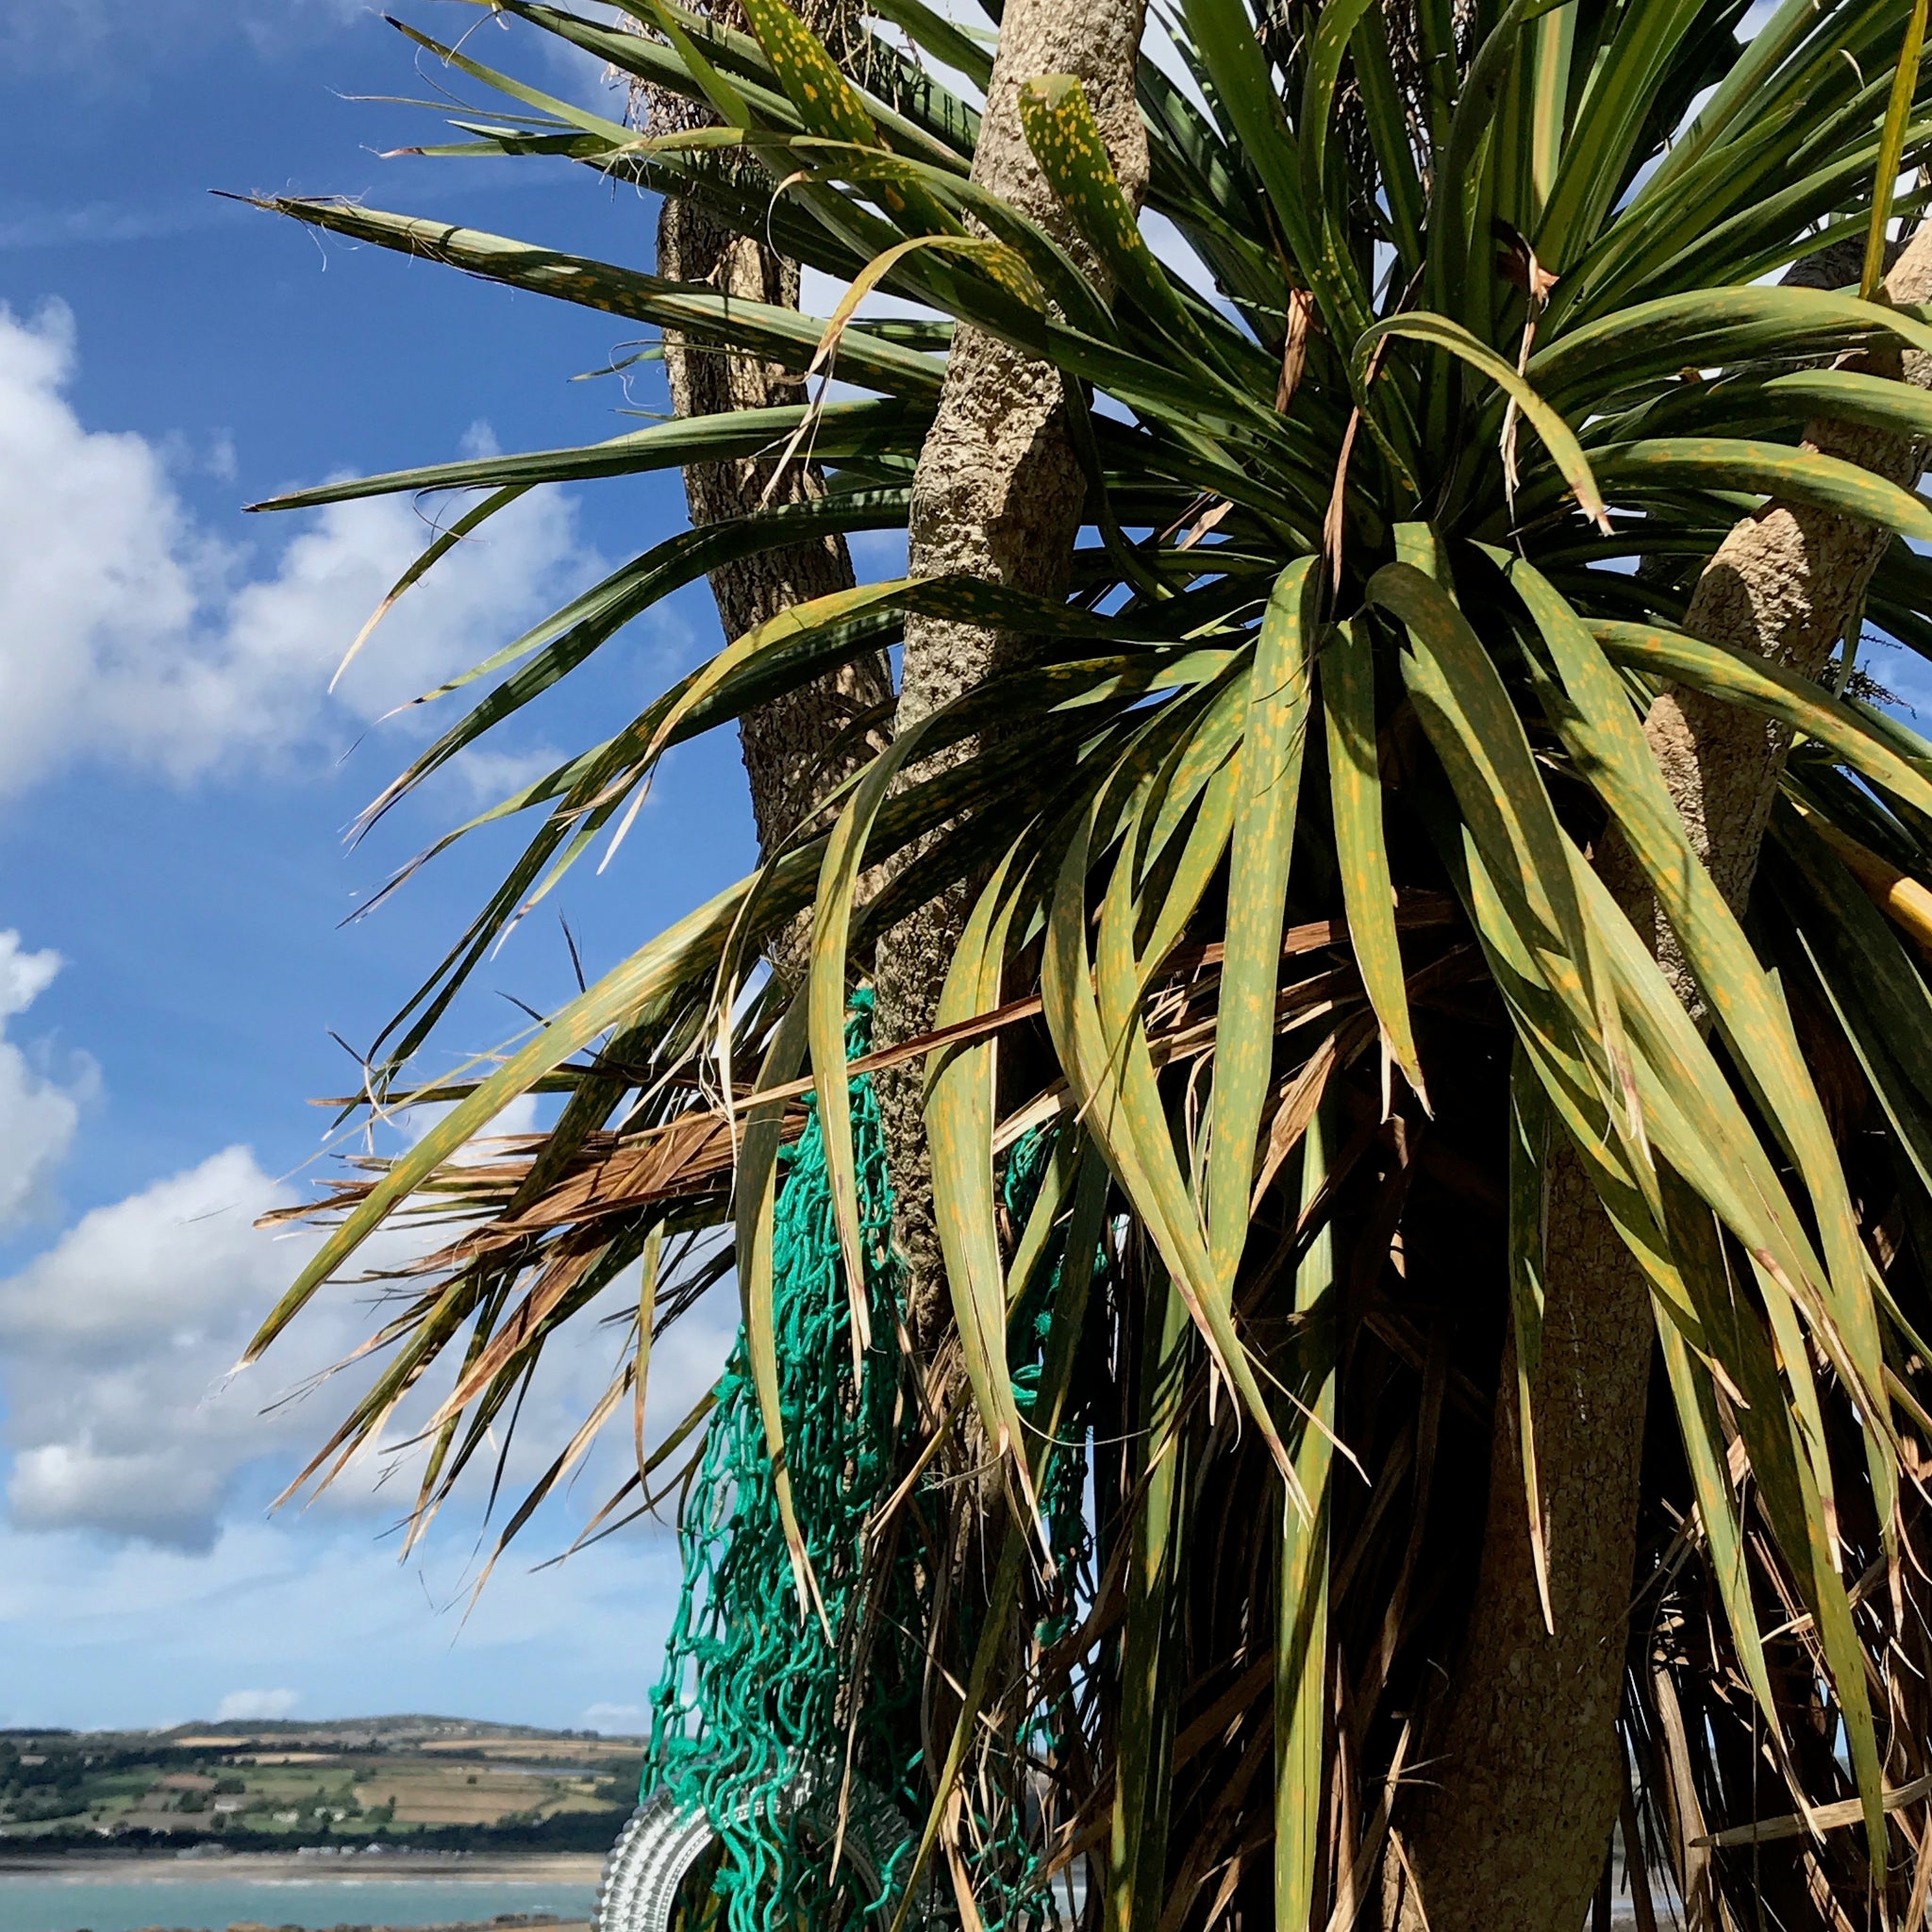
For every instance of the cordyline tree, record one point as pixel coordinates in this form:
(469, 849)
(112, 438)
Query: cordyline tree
(1379, 819)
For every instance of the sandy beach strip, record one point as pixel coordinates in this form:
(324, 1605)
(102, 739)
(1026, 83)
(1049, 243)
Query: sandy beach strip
(160, 1868)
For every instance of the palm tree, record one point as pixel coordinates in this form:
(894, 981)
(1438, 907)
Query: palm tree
(1355, 1336)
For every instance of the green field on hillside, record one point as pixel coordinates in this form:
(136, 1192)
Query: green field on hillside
(446, 1783)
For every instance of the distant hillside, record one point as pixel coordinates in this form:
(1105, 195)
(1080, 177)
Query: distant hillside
(427, 1782)
(406, 1728)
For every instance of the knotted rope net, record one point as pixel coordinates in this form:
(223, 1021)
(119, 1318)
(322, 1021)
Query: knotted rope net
(774, 1723)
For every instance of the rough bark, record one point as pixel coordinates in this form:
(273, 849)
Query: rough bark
(1787, 584)
(1512, 1827)
(1512, 1830)
(786, 743)
(998, 494)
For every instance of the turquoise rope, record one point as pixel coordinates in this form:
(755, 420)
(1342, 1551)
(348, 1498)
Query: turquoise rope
(750, 1693)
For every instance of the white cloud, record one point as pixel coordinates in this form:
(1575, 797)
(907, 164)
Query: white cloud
(169, 1263)
(38, 1114)
(84, 35)
(114, 1343)
(24, 976)
(116, 1351)
(491, 776)
(99, 1633)
(620, 1718)
(129, 630)
(116, 1346)
(256, 1704)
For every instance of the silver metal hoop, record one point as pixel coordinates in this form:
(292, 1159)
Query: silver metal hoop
(663, 1839)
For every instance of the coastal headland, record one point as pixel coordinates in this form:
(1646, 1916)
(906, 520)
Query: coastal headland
(503, 1922)
(401, 1791)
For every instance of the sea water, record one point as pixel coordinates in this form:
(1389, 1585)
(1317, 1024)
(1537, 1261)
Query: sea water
(40, 1902)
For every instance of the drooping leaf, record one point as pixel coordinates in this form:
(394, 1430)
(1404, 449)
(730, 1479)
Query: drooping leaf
(1361, 851)
(1268, 777)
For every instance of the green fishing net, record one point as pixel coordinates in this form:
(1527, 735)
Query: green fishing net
(764, 1719)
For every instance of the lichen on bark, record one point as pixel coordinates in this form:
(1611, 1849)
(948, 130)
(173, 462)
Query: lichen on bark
(790, 744)
(998, 494)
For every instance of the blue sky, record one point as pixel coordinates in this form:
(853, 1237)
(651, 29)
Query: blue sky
(174, 778)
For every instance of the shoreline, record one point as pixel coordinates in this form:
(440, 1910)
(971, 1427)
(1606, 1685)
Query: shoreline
(106, 1867)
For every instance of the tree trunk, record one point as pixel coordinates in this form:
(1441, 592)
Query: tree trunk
(786, 741)
(1510, 1835)
(1511, 1830)
(786, 744)
(998, 494)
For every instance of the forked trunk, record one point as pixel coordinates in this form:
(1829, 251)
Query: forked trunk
(1511, 1831)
